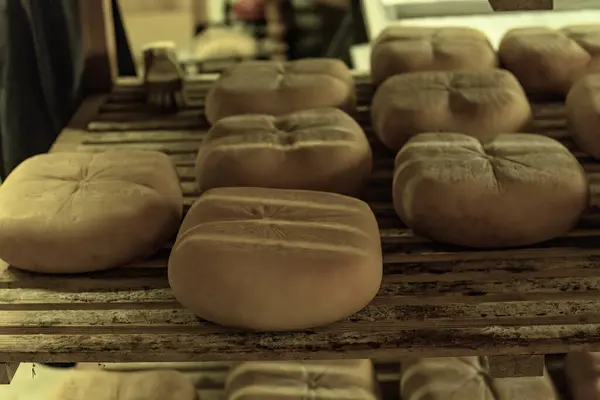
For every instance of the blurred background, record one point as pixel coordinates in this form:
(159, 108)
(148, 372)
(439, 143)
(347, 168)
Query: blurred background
(215, 31)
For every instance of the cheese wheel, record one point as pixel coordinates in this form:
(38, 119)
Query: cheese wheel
(518, 190)
(276, 259)
(466, 378)
(221, 43)
(583, 113)
(101, 385)
(445, 378)
(85, 212)
(401, 49)
(547, 60)
(480, 104)
(527, 388)
(317, 380)
(583, 375)
(277, 88)
(322, 149)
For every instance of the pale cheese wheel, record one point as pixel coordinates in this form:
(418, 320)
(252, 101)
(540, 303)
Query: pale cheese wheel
(83, 212)
(466, 378)
(527, 388)
(101, 385)
(278, 88)
(461, 378)
(583, 113)
(518, 190)
(401, 49)
(549, 60)
(321, 149)
(317, 380)
(478, 103)
(276, 259)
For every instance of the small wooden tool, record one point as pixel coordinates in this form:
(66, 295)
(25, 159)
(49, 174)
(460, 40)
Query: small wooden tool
(163, 77)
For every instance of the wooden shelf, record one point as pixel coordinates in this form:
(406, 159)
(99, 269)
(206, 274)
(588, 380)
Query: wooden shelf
(435, 300)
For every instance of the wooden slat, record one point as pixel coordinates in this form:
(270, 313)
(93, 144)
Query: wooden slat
(385, 345)
(435, 299)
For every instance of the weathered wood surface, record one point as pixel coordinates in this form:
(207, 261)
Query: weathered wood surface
(521, 5)
(517, 365)
(435, 300)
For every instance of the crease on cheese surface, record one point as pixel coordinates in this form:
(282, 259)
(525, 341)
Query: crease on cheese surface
(317, 380)
(275, 259)
(321, 149)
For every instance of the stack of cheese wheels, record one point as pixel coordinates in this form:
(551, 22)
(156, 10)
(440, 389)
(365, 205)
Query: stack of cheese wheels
(317, 380)
(583, 374)
(85, 212)
(465, 378)
(276, 259)
(279, 88)
(321, 149)
(464, 174)
(398, 50)
(549, 60)
(101, 385)
(279, 160)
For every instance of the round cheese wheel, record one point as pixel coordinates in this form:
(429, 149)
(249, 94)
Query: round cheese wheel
(101, 385)
(82, 212)
(480, 104)
(467, 378)
(277, 88)
(318, 380)
(321, 149)
(547, 60)
(518, 190)
(276, 259)
(401, 49)
(583, 113)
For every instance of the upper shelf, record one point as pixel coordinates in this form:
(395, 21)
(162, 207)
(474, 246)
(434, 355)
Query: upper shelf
(435, 300)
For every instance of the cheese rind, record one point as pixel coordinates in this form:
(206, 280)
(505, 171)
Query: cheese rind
(583, 113)
(481, 104)
(318, 380)
(402, 49)
(101, 385)
(518, 190)
(275, 259)
(82, 212)
(320, 149)
(278, 88)
(465, 378)
(549, 60)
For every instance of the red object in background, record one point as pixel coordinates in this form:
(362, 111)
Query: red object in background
(249, 10)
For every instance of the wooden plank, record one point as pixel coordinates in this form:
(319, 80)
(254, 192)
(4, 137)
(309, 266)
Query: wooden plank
(147, 318)
(516, 365)
(393, 292)
(152, 136)
(521, 5)
(152, 123)
(71, 136)
(317, 344)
